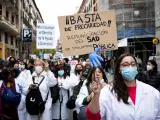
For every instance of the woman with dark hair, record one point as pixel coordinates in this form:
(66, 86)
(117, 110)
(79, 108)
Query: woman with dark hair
(12, 61)
(152, 75)
(59, 109)
(8, 111)
(85, 95)
(127, 98)
(26, 74)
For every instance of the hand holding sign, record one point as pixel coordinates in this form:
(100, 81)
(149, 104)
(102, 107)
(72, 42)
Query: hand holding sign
(95, 58)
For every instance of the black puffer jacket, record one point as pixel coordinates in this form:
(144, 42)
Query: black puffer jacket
(151, 78)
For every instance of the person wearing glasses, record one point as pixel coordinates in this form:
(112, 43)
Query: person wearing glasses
(126, 98)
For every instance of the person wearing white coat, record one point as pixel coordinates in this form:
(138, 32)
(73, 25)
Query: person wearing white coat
(21, 81)
(127, 98)
(76, 77)
(59, 109)
(49, 81)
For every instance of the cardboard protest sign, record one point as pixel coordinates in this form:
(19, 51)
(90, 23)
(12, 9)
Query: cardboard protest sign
(82, 33)
(45, 36)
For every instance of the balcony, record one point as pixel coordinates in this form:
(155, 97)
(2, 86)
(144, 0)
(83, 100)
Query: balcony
(30, 14)
(7, 25)
(11, 5)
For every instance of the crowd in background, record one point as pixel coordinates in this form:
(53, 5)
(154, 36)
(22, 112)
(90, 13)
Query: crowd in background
(60, 89)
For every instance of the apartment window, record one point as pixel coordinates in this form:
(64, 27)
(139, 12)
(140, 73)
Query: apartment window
(0, 9)
(17, 20)
(11, 40)
(7, 14)
(12, 18)
(6, 38)
(16, 43)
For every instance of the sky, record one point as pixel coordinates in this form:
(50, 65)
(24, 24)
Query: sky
(51, 9)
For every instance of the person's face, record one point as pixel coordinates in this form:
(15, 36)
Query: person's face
(29, 65)
(38, 63)
(87, 62)
(12, 60)
(16, 65)
(127, 62)
(98, 74)
(79, 67)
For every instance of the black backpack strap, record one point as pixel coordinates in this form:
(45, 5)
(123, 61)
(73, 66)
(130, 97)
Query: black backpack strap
(47, 96)
(89, 91)
(41, 81)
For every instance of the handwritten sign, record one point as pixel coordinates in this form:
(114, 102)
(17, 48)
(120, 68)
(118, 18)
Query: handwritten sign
(45, 36)
(73, 64)
(82, 33)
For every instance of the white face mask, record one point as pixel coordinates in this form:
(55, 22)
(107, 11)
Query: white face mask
(102, 82)
(38, 69)
(149, 67)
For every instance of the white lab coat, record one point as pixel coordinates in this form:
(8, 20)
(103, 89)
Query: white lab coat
(82, 94)
(76, 80)
(44, 88)
(26, 74)
(147, 106)
(66, 85)
(22, 113)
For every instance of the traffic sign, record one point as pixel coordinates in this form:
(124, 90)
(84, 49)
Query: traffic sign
(27, 35)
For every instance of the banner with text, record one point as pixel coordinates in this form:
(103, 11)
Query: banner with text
(45, 36)
(82, 33)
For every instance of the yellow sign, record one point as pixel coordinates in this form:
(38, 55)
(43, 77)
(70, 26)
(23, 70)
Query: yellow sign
(155, 41)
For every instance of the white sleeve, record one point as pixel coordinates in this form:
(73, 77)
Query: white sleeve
(157, 102)
(82, 94)
(28, 82)
(102, 104)
(66, 84)
(74, 80)
(51, 79)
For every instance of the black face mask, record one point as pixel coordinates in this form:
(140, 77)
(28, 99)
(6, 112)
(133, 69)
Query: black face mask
(79, 71)
(16, 72)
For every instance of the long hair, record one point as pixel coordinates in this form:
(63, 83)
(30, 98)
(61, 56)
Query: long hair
(61, 67)
(153, 62)
(92, 71)
(119, 87)
(75, 70)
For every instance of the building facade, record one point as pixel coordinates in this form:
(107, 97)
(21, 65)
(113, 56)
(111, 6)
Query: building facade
(157, 18)
(9, 28)
(135, 20)
(14, 16)
(30, 16)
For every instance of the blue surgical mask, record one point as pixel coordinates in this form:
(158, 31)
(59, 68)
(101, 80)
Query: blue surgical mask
(22, 67)
(61, 72)
(129, 73)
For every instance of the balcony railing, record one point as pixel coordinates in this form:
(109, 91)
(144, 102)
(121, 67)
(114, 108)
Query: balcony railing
(4, 18)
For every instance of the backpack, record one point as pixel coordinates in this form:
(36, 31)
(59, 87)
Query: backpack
(71, 102)
(34, 102)
(54, 93)
(10, 96)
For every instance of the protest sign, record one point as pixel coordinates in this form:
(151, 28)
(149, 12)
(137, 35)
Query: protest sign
(45, 36)
(73, 64)
(82, 33)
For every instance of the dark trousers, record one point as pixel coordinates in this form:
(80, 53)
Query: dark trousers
(75, 115)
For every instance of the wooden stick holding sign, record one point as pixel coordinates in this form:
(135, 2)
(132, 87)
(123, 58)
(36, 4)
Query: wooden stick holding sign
(82, 33)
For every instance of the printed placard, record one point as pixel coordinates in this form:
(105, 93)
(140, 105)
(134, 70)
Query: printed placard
(45, 36)
(82, 33)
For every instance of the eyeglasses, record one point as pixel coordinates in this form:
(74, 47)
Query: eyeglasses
(126, 64)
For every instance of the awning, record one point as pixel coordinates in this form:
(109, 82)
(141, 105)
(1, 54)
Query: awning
(123, 42)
